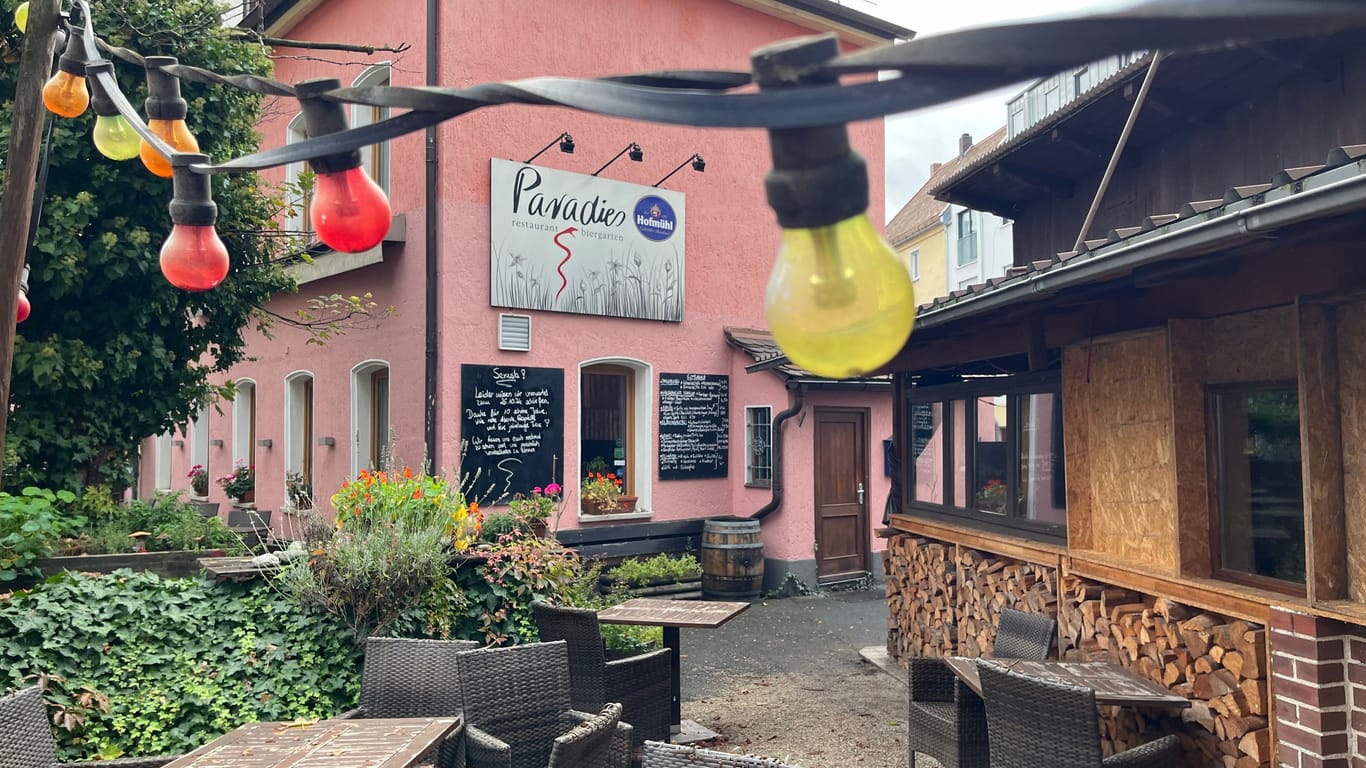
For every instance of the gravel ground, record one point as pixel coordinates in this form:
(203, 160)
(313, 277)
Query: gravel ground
(784, 679)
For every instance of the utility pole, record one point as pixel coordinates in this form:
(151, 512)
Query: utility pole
(21, 178)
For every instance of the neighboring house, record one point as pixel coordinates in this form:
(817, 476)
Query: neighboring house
(1170, 464)
(947, 246)
(1049, 94)
(548, 346)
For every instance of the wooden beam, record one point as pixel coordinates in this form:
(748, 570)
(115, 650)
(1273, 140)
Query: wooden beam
(1083, 142)
(1040, 180)
(21, 177)
(1325, 516)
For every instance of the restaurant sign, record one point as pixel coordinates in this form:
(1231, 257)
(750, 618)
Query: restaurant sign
(566, 242)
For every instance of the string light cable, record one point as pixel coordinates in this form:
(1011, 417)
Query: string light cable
(808, 92)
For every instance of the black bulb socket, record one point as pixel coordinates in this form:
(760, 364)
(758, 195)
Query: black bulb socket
(817, 178)
(322, 117)
(99, 97)
(72, 60)
(163, 90)
(192, 197)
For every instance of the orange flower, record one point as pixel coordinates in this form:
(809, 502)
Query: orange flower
(474, 507)
(368, 500)
(417, 494)
(407, 473)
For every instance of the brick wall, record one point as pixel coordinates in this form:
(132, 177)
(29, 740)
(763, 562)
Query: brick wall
(1318, 669)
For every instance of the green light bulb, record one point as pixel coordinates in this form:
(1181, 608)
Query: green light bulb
(21, 17)
(839, 302)
(115, 138)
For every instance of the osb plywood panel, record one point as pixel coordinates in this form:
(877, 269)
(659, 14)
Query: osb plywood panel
(1351, 342)
(1076, 451)
(1121, 390)
(1251, 346)
(1187, 348)
(1321, 452)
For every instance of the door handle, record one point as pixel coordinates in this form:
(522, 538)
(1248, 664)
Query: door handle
(860, 492)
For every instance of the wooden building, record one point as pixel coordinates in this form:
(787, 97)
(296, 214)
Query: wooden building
(1153, 437)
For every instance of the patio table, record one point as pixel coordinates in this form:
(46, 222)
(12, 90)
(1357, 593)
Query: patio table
(376, 743)
(672, 615)
(1112, 683)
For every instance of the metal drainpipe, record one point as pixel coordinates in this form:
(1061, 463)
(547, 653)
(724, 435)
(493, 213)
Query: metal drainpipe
(798, 399)
(430, 222)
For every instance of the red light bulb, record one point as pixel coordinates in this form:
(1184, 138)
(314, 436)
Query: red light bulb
(349, 212)
(24, 308)
(193, 258)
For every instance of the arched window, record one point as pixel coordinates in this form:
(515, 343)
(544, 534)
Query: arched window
(614, 422)
(161, 478)
(298, 187)
(374, 158)
(244, 423)
(299, 425)
(370, 427)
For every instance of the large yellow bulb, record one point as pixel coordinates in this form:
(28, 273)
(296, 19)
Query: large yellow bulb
(65, 95)
(840, 304)
(115, 138)
(21, 17)
(173, 132)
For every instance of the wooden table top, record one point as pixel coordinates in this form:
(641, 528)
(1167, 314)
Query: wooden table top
(376, 743)
(706, 614)
(1112, 683)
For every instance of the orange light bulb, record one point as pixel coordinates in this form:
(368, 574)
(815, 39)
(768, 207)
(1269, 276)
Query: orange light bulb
(65, 95)
(173, 132)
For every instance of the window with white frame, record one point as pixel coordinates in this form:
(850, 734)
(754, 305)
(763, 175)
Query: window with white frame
(298, 186)
(244, 423)
(1019, 118)
(161, 478)
(915, 263)
(759, 445)
(967, 238)
(299, 426)
(374, 158)
(370, 433)
(199, 439)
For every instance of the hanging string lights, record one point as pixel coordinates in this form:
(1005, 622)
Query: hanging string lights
(838, 301)
(113, 136)
(65, 94)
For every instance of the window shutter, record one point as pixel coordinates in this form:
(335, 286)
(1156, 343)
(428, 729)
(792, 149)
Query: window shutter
(514, 332)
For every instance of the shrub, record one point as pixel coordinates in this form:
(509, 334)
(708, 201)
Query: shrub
(180, 661)
(395, 534)
(513, 574)
(171, 522)
(638, 573)
(29, 528)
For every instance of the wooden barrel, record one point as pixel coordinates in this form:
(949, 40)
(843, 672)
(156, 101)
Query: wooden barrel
(732, 558)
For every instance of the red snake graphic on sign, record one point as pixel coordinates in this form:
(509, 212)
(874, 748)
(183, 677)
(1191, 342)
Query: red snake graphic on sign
(564, 281)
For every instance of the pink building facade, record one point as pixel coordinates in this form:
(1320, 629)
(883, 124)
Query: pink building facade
(528, 386)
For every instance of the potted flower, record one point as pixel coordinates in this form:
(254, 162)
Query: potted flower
(240, 484)
(992, 497)
(535, 509)
(298, 490)
(199, 480)
(600, 493)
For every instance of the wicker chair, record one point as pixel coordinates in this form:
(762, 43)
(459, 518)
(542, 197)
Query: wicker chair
(402, 677)
(589, 742)
(661, 755)
(947, 720)
(517, 702)
(1028, 718)
(26, 739)
(642, 683)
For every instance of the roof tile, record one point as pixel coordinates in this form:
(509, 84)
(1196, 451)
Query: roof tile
(1197, 207)
(1291, 175)
(1234, 194)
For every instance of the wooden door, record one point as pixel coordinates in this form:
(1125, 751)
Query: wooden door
(841, 493)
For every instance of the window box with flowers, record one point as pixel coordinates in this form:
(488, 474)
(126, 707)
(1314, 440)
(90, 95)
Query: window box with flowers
(601, 494)
(535, 509)
(199, 480)
(240, 484)
(298, 492)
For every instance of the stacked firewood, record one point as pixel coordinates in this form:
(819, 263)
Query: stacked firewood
(921, 581)
(988, 583)
(1218, 663)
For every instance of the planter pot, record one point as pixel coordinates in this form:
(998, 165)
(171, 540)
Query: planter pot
(682, 589)
(247, 497)
(627, 504)
(592, 507)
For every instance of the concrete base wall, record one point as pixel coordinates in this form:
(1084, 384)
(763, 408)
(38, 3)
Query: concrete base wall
(776, 571)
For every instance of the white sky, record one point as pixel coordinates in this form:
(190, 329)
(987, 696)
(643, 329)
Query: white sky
(917, 139)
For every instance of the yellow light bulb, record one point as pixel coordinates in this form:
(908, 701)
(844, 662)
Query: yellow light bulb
(173, 132)
(21, 17)
(840, 304)
(65, 95)
(115, 138)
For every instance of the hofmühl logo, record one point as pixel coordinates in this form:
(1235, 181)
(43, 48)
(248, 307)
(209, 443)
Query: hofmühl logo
(655, 218)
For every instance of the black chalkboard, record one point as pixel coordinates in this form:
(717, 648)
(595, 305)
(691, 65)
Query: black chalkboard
(694, 425)
(512, 424)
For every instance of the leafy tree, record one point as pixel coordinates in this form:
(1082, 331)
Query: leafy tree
(112, 353)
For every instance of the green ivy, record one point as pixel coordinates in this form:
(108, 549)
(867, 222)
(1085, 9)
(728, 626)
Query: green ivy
(29, 527)
(181, 661)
